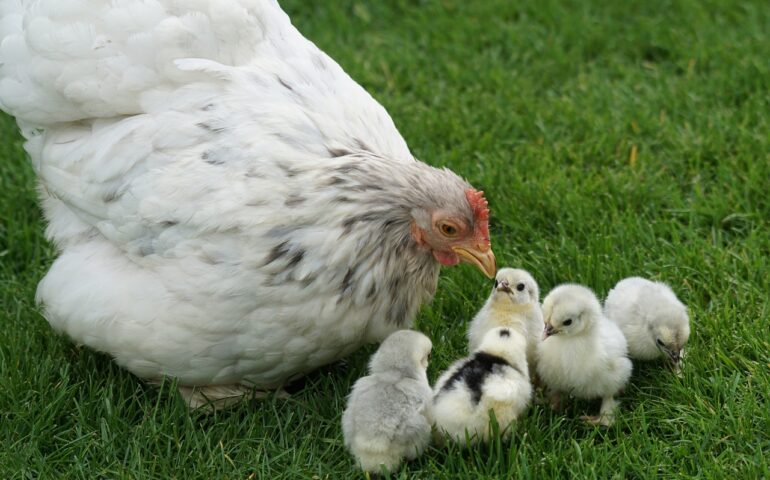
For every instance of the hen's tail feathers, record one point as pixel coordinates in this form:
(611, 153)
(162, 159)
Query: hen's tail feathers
(65, 61)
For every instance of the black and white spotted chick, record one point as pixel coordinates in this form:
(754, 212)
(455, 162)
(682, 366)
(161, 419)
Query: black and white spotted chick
(493, 378)
(388, 414)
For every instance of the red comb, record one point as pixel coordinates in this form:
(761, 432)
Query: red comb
(480, 209)
(478, 204)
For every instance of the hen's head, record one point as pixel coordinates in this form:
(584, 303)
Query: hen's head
(456, 229)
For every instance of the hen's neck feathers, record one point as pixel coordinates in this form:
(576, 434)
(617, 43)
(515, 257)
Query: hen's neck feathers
(368, 202)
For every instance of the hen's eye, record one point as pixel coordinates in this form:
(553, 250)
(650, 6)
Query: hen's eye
(567, 322)
(448, 229)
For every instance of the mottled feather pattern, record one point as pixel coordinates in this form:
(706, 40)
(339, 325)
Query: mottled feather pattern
(224, 170)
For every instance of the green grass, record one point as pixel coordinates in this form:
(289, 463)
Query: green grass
(541, 104)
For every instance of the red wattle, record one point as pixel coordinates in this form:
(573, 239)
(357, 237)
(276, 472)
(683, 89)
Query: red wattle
(446, 258)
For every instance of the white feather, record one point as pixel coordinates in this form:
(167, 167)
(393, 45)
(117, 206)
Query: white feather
(648, 313)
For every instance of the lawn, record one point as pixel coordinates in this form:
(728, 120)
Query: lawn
(612, 139)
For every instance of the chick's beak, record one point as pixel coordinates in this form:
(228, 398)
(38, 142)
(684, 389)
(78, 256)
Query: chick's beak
(482, 257)
(674, 355)
(503, 287)
(548, 331)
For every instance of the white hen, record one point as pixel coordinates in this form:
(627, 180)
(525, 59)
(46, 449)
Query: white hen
(231, 209)
(583, 353)
(653, 320)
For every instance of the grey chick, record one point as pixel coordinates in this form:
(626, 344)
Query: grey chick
(494, 378)
(388, 414)
(654, 322)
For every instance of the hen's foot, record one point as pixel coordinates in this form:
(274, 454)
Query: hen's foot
(220, 397)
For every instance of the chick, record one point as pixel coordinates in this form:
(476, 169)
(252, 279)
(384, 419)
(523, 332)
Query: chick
(582, 352)
(514, 302)
(653, 320)
(493, 379)
(388, 414)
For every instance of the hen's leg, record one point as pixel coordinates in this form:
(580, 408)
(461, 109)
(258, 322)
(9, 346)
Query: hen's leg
(219, 397)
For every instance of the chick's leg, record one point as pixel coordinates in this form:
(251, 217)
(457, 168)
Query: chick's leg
(555, 399)
(606, 415)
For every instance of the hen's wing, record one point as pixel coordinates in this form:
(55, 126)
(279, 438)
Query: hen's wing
(187, 153)
(147, 115)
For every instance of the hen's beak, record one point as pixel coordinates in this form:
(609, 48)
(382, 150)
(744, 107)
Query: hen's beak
(484, 260)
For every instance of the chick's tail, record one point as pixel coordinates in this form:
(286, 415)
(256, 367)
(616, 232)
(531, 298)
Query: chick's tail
(372, 455)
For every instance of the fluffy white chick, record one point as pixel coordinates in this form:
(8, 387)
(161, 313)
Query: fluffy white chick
(651, 317)
(514, 302)
(582, 353)
(494, 378)
(388, 414)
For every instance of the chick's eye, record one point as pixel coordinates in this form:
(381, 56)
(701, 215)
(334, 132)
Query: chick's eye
(448, 229)
(520, 287)
(660, 343)
(497, 282)
(567, 322)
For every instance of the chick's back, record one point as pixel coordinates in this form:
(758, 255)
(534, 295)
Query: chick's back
(386, 420)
